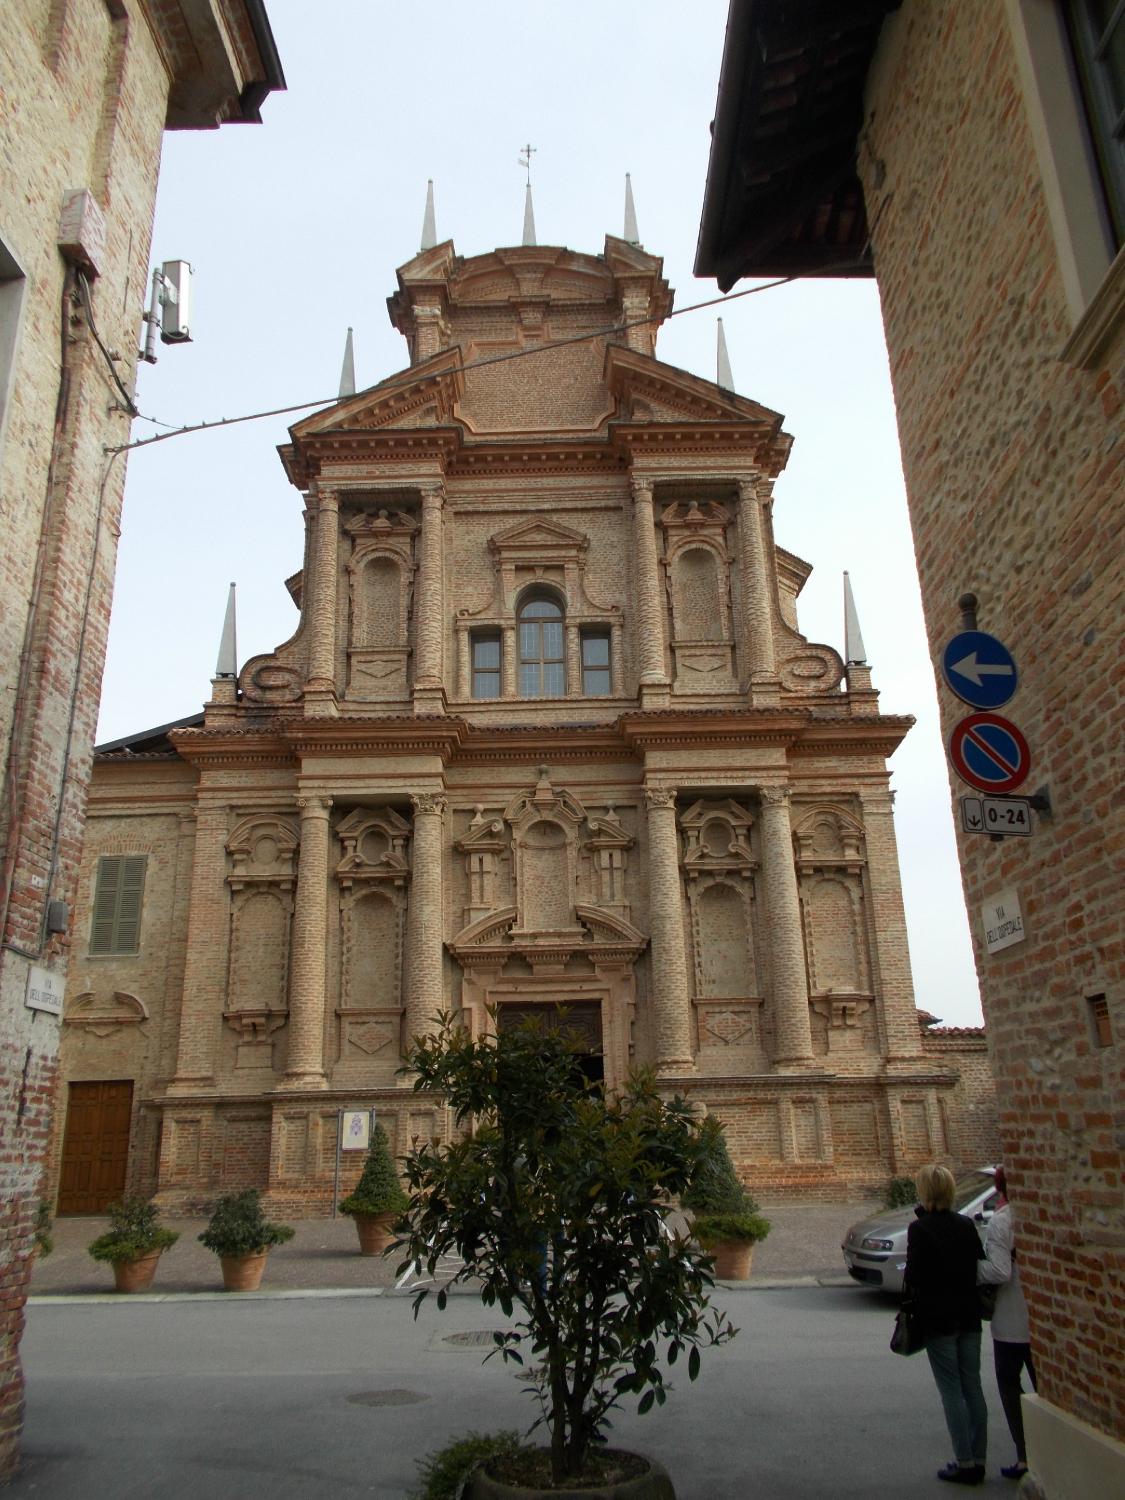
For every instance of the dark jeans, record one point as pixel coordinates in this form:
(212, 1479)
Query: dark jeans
(1010, 1360)
(955, 1360)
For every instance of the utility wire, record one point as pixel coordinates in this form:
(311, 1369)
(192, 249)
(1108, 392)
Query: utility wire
(409, 377)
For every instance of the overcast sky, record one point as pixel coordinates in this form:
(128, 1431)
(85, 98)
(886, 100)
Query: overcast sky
(294, 228)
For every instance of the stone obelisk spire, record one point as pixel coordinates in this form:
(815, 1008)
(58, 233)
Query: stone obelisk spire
(429, 219)
(723, 376)
(347, 369)
(631, 234)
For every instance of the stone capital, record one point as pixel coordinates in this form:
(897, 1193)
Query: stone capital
(774, 796)
(660, 796)
(314, 806)
(641, 488)
(325, 499)
(428, 803)
(433, 495)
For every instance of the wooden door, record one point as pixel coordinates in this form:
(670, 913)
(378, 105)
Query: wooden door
(95, 1146)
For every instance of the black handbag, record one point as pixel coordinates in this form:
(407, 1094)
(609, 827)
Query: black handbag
(908, 1337)
(987, 1292)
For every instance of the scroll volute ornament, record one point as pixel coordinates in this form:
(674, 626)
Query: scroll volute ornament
(263, 850)
(828, 839)
(375, 843)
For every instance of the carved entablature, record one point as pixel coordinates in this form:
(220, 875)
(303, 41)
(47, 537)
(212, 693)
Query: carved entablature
(717, 838)
(381, 571)
(485, 847)
(263, 850)
(103, 1015)
(607, 845)
(374, 840)
(697, 575)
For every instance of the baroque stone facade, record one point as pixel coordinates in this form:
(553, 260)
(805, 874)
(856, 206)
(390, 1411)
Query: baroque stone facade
(547, 734)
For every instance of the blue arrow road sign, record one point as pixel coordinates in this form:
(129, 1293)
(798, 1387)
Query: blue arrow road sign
(979, 669)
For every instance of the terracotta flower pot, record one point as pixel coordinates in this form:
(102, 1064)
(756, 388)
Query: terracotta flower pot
(243, 1273)
(375, 1232)
(135, 1275)
(732, 1259)
(652, 1484)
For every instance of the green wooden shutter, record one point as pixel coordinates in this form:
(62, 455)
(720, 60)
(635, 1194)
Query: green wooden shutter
(116, 925)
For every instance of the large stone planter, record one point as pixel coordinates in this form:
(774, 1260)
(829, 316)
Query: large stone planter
(136, 1275)
(243, 1273)
(733, 1259)
(375, 1231)
(653, 1484)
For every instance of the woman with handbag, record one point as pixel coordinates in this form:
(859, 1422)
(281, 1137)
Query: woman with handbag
(942, 1250)
(1011, 1337)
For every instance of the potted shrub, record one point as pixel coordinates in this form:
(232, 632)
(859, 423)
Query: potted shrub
(378, 1197)
(241, 1236)
(725, 1218)
(553, 1200)
(133, 1243)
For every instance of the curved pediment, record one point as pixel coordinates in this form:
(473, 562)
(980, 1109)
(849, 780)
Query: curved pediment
(486, 931)
(607, 927)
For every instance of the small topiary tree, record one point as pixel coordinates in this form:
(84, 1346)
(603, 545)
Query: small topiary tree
(378, 1190)
(239, 1227)
(900, 1192)
(554, 1205)
(720, 1206)
(134, 1231)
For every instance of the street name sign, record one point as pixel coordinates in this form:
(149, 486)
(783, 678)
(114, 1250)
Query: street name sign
(44, 991)
(1002, 921)
(990, 753)
(1002, 817)
(979, 669)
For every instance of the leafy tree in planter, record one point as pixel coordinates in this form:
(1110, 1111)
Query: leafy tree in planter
(552, 1164)
(134, 1232)
(378, 1190)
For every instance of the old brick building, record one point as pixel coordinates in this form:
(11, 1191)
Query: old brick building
(88, 87)
(970, 153)
(547, 733)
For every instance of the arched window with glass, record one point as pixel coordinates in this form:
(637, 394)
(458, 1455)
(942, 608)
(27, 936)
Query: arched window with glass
(542, 648)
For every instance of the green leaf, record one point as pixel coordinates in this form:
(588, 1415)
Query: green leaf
(693, 1363)
(646, 1402)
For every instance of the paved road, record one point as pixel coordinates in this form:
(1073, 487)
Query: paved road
(337, 1396)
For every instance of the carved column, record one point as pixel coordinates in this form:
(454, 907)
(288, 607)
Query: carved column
(320, 686)
(792, 1032)
(425, 989)
(508, 661)
(429, 612)
(573, 662)
(617, 658)
(757, 582)
(894, 988)
(305, 1066)
(649, 627)
(464, 663)
(670, 997)
(205, 964)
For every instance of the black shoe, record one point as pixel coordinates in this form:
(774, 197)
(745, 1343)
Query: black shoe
(955, 1474)
(1014, 1471)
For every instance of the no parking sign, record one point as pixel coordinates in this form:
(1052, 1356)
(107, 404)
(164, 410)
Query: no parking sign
(990, 753)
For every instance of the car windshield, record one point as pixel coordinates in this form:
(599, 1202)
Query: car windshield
(970, 1187)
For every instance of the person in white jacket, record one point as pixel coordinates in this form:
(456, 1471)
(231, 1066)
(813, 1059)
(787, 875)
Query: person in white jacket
(1011, 1337)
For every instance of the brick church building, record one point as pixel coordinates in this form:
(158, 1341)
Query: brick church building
(547, 734)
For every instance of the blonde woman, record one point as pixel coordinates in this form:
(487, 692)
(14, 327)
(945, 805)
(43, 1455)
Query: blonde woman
(942, 1250)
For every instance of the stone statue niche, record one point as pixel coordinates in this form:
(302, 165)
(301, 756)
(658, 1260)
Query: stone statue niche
(697, 571)
(372, 876)
(545, 825)
(263, 849)
(380, 595)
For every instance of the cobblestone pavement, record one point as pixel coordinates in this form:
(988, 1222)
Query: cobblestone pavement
(804, 1243)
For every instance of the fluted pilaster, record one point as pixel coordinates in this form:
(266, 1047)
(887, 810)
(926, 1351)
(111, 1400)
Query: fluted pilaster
(206, 956)
(305, 1066)
(425, 991)
(757, 582)
(670, 998)
(894, 985)
(649, 628)
(792, 1032)
(320, 616)
(430, 605)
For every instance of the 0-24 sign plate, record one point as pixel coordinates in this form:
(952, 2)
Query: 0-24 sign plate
(1002, 817)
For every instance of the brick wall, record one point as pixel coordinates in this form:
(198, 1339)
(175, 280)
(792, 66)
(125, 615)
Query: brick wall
(1015, 469)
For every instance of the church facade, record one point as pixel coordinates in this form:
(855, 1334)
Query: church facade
(547, 734)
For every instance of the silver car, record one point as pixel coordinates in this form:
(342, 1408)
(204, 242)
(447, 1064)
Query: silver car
(875, 1248)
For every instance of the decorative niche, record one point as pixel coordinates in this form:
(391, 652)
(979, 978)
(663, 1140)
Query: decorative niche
(831, 857)
(263, 851)
(380, 599)
(719, 867)
(373, 875)
(697, 576)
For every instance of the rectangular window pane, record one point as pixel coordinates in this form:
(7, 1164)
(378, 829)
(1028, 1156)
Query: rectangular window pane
(529, 642)
(529, 681)
(595, 650)
(595, 682)
(486, 684)
(552, 640)
(554, 680)
(486, 652)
